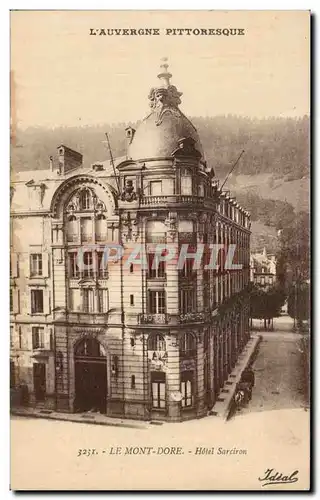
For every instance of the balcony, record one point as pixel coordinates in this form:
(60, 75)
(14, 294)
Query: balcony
(156, 238)
(172, 319)
(95, 275)
(188, 354)
(41, 352)
(87, 318)
(185, 237)
(175, 200)
(153, 319)
(193, 317)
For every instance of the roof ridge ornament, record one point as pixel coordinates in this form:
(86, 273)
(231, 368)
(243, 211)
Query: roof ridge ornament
(166, 97)
(164, 75)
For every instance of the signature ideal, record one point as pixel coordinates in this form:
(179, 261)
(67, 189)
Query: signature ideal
(271, 476)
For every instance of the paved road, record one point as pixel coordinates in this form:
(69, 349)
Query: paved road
(278, 374)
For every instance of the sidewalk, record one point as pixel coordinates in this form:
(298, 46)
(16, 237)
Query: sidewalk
(223, 405)
(84, 418)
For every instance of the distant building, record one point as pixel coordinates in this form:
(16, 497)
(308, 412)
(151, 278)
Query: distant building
(154, 342)
(263, 269)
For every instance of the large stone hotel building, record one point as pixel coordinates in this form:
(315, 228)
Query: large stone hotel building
(141, 338)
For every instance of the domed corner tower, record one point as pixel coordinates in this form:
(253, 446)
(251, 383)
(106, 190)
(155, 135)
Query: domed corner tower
(165, 147)
(166, 197)
(166, 132)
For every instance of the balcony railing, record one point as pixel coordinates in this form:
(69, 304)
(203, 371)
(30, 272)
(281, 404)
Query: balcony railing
(187, 237)
(156, 238)
(192, 317)
(153, 319)
(102, 275)
(172, 319)
(89, 318)
(176, 199)
(188, 354)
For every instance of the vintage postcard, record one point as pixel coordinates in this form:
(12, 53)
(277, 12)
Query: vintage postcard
(159, 259)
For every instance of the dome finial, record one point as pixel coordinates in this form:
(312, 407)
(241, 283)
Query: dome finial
(164, 75)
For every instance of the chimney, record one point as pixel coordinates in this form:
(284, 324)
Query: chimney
(51, 163)
(68, 159)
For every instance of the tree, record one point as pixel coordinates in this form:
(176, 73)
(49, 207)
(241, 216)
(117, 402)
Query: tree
(267, 304)
(299, 302)
(293, 258)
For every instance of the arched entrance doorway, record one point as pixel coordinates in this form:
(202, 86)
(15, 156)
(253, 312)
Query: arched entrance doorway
(90, 376)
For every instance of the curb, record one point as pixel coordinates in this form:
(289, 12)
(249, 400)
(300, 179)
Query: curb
(78, 421)
(223, 408)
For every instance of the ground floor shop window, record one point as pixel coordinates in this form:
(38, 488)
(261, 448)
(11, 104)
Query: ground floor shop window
(187, 389)
(39, 381)
(158, 389)
(12, 375)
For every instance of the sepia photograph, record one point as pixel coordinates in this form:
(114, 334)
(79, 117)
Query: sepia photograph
(160, 250)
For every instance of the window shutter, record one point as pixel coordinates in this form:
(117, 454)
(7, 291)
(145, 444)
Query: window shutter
(45, 264)
(14, 265)
(34, 337)
(32, 301)
(75, 299)
(16, 301)
(46, 301)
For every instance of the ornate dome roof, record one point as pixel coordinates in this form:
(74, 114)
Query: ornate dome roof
(165, 130)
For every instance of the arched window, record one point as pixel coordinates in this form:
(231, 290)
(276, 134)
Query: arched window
(156, 343)
(85, 199)
(89, 347)
(188, 345)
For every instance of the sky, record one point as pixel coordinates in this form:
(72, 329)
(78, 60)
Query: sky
(62, 76)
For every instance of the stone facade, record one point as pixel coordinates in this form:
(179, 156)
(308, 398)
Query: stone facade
(133, 338)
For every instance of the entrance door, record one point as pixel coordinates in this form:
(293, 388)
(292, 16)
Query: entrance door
(90, 376)
(39, 381)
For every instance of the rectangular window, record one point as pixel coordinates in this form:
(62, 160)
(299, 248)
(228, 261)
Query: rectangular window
(103, 300)
(158, 389)
(37, 337)
(88, 270)
(86, 229)
(11, 336)
(73, 265)
(36, 301)
(88, 300)
(133, 381)
(186, 184)
(36, 264)
(187, 270)
(156, 269)
(102, 267)
(72, 229)
(157, 302)
(186, 389)
(74, 299)
(155, 188)
(187, 301)
(11, 300)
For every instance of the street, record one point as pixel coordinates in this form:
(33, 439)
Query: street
(278, 371)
